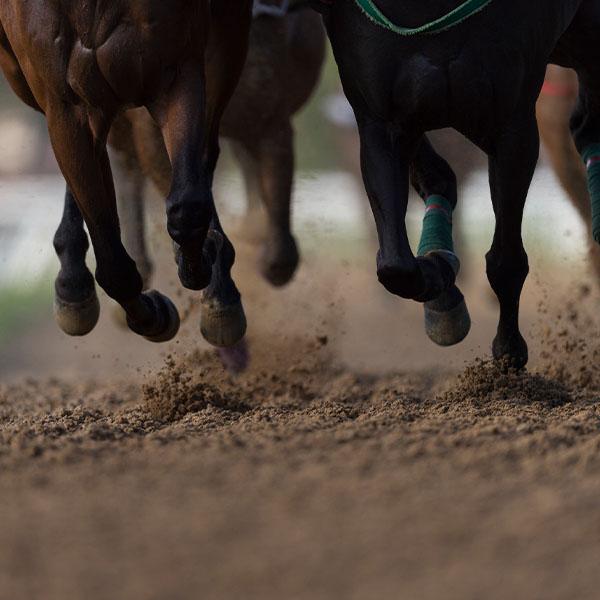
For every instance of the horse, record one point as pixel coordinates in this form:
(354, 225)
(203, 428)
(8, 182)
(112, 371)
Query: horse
(286, 52)
(477, 66)
(82, 65)
(554, 108)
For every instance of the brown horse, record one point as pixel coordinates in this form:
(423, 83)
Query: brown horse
(82, 64)
(554, 109)
(285, 56)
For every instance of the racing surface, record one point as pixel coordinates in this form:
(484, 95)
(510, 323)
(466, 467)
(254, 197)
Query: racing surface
(352, 459)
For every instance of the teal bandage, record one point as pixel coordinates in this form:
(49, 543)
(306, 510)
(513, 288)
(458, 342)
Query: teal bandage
(591, 157)
(437, 226)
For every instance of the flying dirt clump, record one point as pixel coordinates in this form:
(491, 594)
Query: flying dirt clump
(288, 372)
(175, 391)
(489, 381)
(570, 348)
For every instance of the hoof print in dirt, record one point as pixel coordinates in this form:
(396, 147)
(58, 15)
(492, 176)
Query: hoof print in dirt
(447, 319)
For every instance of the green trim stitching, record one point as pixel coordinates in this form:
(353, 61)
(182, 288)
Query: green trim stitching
(453, 18)
(591, 157)
(437, 226)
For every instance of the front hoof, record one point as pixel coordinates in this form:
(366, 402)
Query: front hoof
(166, 319)
(511, 350)
(222, 325)
(77, 318)
(447, 320)
(279, 261)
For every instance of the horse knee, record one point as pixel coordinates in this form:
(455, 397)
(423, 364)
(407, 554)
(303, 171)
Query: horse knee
(189, 212)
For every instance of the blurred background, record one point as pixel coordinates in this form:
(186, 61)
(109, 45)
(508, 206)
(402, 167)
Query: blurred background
(336, 289)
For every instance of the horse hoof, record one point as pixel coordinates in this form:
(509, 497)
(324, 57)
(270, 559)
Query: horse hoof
(513, 351)
(77, 318)
(447, 320)
(167, 319)
(279, 262)
(222, 325)
(236, 358)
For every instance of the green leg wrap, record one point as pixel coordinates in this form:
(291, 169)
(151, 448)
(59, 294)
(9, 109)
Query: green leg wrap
(591, 157)
(437, 225)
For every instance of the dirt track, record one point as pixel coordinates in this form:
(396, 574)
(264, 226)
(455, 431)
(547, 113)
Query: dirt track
(313, 475)
(301, 481)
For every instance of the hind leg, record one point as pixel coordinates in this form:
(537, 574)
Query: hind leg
(447, 320)
(130, 204)
(578, 49)
(223, 322)
(512, 165)
(13, 73)
(84, 162)
(554, 109)
(254, 225)
(130, 183)
(280, 257)
(273, 158)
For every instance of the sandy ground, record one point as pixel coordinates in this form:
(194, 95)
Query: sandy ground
(353, 460)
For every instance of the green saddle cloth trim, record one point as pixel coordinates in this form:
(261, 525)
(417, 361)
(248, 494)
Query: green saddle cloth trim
(437, 226)
(591, 157)
(458, 15)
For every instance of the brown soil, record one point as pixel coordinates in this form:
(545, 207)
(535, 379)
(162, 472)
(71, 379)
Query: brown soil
(350, 461)
(300, 479)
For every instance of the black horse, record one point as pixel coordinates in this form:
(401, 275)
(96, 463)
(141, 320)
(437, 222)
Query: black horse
(481, 76)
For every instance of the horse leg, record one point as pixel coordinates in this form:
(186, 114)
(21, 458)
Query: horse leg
(13, 73)
(511, 166)
(385, 159)
(447, 320)
(254, 220)
(130, 204)
(180, 115)
(76, 307)
(274, 158)
(578, 49)
(280, 257)
(222, 318)
(84, 163)
(554, 109)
